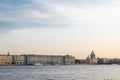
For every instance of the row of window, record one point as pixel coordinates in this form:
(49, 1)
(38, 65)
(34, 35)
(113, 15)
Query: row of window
(11, 63)
(5, 63)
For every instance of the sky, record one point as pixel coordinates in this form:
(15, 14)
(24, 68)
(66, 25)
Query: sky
(60, 27)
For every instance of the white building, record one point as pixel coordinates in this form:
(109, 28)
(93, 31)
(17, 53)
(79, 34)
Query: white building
(49, 59)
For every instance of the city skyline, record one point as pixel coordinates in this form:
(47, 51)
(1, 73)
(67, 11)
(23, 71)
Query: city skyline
(60, 27)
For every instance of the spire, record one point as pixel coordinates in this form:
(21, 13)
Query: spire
(92, 51)
(88, 57)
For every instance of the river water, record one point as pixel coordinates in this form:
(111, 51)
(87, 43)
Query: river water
(73, 72)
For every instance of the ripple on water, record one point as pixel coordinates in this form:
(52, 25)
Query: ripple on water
(81, 72)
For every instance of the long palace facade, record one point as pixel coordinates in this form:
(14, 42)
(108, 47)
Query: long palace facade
(32, 59)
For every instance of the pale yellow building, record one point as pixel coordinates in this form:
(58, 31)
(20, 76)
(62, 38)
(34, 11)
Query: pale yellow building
(6, 60)
(36, 59)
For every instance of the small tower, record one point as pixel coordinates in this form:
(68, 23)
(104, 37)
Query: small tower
(88, 57)
(8, 53)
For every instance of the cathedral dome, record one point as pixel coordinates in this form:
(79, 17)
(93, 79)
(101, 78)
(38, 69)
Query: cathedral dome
(92, 55)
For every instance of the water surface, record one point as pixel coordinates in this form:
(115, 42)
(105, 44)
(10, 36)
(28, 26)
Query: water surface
(74, 72)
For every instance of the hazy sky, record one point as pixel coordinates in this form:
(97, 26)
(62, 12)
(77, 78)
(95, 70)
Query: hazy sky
(60, 27)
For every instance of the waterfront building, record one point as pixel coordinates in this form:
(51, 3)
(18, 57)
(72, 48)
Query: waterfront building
(104, 61)
(31, 59)
(61, 60)
(19, 59)
(116, 61)
(6, 59)
(109, 61)
(92, 55)
(91, 59)
(69, 60)
(49, 59)
(87, 60)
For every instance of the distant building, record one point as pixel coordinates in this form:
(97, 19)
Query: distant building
(92, 55)
(69, 59)
(116, 61)
(50, 59)
(104, 61)
(19, 60)
(87, 60)
(91, 59)
(80, 61)
(108, 61)
(6, 59)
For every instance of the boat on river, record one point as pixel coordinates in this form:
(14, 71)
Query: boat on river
(38, 64)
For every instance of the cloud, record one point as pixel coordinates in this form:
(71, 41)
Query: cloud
(57, 13)
(59, 23)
